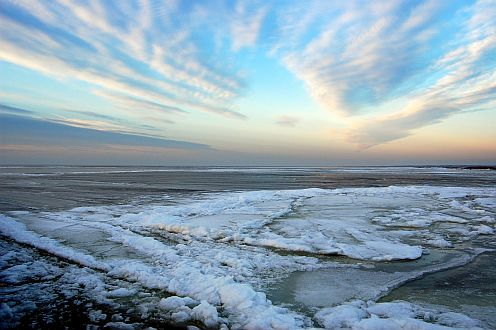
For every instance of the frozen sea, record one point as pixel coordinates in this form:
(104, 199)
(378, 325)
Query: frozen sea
(247, 247)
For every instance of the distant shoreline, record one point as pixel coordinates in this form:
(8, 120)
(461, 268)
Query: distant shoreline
(463, 167)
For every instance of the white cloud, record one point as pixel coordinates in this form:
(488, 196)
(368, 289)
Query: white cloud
(246, 25)
(367, 56)
(464, 89)
(86, 44)
(355, 58)
(358, 52)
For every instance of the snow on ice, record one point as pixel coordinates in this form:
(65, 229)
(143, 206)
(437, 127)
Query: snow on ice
(216, 253)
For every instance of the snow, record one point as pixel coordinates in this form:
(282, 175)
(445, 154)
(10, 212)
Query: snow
(244, 218)
(486, 219)
(120, 292)
(175, 302)
(183, 276)
(489, 202)
(17, 231)
(33, 271)
(97, 315)
(6, 315)
(391, 315)
(181, 316)
(119, 326)
(484, 230)
(344, 316)
(380, 250)
(439, 242)
(264, 219)
(205, 313)
(216, 253)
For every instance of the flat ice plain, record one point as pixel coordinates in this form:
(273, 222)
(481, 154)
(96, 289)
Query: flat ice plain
(259, 259)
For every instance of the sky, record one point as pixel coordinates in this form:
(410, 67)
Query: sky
(248, 82)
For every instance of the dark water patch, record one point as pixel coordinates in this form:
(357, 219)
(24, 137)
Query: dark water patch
(66, 187)
(56, 301)
(469, 289)
(307, 291)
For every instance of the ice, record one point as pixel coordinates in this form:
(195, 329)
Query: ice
(205, 313)
(337, 285)
(181, 316)
(119, 326)
(19, 212)
(245, 218)
(97, 315)
(18, 232)
(452, 319)
(484, 230)
(381, 250)
(344, 316)
(6, 315)
(216, 253)
(33, 271)
(120, 292)
(184, 276)
(486, 219)
(40, 286)
(439, 242)
(376, 323)
(266, 219)
(489, 202)
(175, 302)
(391, 315)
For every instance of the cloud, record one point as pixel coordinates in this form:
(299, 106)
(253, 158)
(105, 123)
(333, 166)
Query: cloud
(461, 93)
(139, 106)
(360, 55)
(380, 130)
(368, 133)
(89, 114)
(18, 130)
(89, 119)
(246, 25)
(288, 121)
(15, 111)
(146, 57)
(362, 59)
(158, 62)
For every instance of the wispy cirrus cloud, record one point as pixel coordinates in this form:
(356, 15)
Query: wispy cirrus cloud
(361, 53)
(132, 104)
(362, 57)
(85, 119)
(67, 133)
(246, 25)
(5, 109)
(467, 82)
(384, 69)
(141, 49)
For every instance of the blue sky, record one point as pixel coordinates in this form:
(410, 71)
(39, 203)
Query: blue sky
(248, 82)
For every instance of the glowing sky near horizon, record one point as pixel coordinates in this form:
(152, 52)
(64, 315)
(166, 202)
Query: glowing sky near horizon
(248, 82)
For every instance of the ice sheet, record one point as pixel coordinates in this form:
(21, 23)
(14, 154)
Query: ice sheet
(328, 221)
(218, 252)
